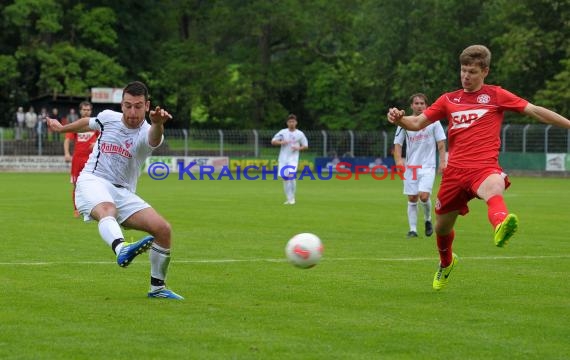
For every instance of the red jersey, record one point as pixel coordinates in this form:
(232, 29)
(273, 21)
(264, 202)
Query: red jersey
(474, 123)
(83, 142)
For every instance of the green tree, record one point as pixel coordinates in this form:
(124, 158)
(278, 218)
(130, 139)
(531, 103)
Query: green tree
(61, 57)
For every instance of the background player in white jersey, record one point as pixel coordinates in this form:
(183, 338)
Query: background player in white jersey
(107, 184)
(292, 141)
(420, 151)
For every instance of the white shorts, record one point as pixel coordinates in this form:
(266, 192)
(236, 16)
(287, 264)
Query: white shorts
(287, 171)
(423, 181)
(92, 190)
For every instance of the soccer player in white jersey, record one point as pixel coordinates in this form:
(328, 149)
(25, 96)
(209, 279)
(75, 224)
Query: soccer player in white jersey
(420, 151)
(292, 141)
(106, 186)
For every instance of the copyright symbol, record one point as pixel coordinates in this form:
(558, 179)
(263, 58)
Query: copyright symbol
(158, 171)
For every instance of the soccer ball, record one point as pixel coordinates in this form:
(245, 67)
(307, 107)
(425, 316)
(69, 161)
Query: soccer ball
(304, 250)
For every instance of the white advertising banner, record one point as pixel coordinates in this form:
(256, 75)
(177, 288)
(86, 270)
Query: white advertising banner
(34, 164)
(106, 95)
(556, 162)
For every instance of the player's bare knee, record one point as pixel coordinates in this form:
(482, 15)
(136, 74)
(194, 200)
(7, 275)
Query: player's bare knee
(103, 210)
(162, 230)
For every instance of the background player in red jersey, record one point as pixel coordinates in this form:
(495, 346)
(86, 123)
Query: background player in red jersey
(83, 144)
(475, 115)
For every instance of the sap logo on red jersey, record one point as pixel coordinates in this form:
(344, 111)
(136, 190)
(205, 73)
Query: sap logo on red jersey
(115, 149)
(463, 119)
(85, 136)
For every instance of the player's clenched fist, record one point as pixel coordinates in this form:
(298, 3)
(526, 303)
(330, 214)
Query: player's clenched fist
(394, 115)
(54, 124)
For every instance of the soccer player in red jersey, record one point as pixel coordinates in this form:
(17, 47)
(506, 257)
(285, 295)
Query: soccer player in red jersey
(83, 144)
(475, 115)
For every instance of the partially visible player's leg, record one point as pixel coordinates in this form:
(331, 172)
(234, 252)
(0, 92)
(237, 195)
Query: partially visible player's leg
(284, 174)
(411, 184)
(491, 190)
(426, 180)
(506, 229)
(445, 236)
(447, 259)
(412, 216)
(111, 232)
(98, 199)
(75, 171)
(288, 173)
(75, 211)
(150, 221)
(451, 202)
(426, 205)
(441, 277)
(287, 191)
(293, 186)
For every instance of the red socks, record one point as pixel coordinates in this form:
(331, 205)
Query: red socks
(444, 247)
(496, 210)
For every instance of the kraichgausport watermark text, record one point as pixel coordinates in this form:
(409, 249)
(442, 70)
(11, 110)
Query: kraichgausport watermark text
(340, 171)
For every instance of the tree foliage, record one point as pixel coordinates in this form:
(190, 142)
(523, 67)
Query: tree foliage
(233, 63)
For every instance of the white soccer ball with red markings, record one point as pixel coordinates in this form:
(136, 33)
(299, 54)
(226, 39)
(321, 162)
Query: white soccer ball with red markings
(304, 250)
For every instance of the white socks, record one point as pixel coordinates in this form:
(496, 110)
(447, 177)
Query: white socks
(413, 216)
(110, 231)
(159, 261)
(159, 257)
(427, 209)
(293, 188)
(413, 213)
(290, 186)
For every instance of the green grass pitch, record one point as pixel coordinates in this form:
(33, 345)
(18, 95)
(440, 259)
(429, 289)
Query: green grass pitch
(63, 297)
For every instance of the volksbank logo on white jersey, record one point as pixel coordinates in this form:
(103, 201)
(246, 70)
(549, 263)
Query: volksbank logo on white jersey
(463, 119)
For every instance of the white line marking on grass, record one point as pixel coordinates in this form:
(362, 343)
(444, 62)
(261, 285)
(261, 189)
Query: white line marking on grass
(227, 261)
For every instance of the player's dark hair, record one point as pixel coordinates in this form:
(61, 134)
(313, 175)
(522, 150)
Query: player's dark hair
(136, 88)
(476, 55)
(292, 116)
(418, 95)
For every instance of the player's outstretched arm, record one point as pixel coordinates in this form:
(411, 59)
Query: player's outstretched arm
(413, 123)
(158, 117)
(80, 125)
(547, 116)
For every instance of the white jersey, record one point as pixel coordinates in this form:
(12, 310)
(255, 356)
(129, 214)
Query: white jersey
(421, 145)
(288, 156)
(120, 152)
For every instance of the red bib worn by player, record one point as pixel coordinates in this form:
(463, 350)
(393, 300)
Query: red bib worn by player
(83, 144)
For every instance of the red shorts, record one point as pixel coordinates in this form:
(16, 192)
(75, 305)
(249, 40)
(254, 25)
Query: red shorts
(459, 186)
(77, 164)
